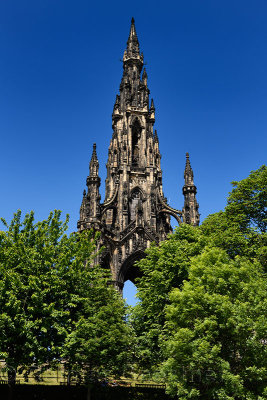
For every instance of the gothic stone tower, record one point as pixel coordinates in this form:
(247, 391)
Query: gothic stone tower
(135, 212)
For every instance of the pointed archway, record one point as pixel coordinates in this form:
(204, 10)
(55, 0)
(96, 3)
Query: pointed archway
(128, 270)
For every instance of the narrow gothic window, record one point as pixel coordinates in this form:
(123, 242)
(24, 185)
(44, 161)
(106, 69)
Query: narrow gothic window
(136, 135)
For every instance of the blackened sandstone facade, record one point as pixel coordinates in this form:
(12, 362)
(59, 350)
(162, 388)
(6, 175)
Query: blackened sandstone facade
(135, 212)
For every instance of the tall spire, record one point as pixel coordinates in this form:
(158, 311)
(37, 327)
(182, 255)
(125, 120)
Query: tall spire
(90, 208)
(94, 164)
(132, 42)
(190, 210)
(135, 211)
(132, 51)
(188, 172)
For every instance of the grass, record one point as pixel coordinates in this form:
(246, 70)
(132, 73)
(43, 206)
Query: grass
(48, 377)
(59, 375)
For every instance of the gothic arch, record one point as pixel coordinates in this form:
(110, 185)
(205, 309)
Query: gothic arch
(135, 119)
(128, 270)
(138, 188)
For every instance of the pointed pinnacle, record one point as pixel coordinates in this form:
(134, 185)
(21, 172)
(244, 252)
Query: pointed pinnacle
(94, 164)
(132, 40)
(144, 76)
(94, 150)
(187, 163)
(152, 107)
(94, 155)
(117, 102)
(132, 30)
(156, 139)
(188, 173)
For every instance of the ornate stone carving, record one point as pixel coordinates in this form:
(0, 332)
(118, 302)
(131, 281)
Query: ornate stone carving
(135, 211)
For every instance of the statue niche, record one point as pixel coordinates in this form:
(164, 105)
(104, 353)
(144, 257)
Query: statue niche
(135, 201)
(136, 138)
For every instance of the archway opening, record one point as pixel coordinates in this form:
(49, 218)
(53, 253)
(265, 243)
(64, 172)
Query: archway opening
(129, 270)
(129, 293)
(128, 275)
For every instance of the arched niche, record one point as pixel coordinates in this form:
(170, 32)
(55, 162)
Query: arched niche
(136, 198)
(105, 259)
(139, 189)
(136, 139)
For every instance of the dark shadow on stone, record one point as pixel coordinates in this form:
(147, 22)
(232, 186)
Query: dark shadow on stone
(129, 271)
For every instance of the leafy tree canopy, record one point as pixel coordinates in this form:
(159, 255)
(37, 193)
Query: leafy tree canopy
(247, 203)
(214, 340)
(168, 266)
(165, 267)
(51, 299)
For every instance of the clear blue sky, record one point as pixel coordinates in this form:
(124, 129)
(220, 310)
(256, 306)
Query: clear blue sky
(60, 71)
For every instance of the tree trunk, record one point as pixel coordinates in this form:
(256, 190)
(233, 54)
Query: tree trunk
(11, 376)
(89, 392)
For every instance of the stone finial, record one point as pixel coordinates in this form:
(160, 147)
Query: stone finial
(132, 42)
(190, 210)
(94, 164)
(152, 106)
(144, 76)
(188, 172)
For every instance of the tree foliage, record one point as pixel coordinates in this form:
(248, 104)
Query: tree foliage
(33, 317)
(215, 335)
(51, 298)
(100, 342)
(247, 203)
(179, 318)
(165, 267)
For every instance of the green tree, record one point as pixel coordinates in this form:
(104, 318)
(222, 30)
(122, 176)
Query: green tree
(247, 203)
(165, 267)
(214, 341)
(32, 307)
(100, 342)
(224, 232)
(48, 290)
